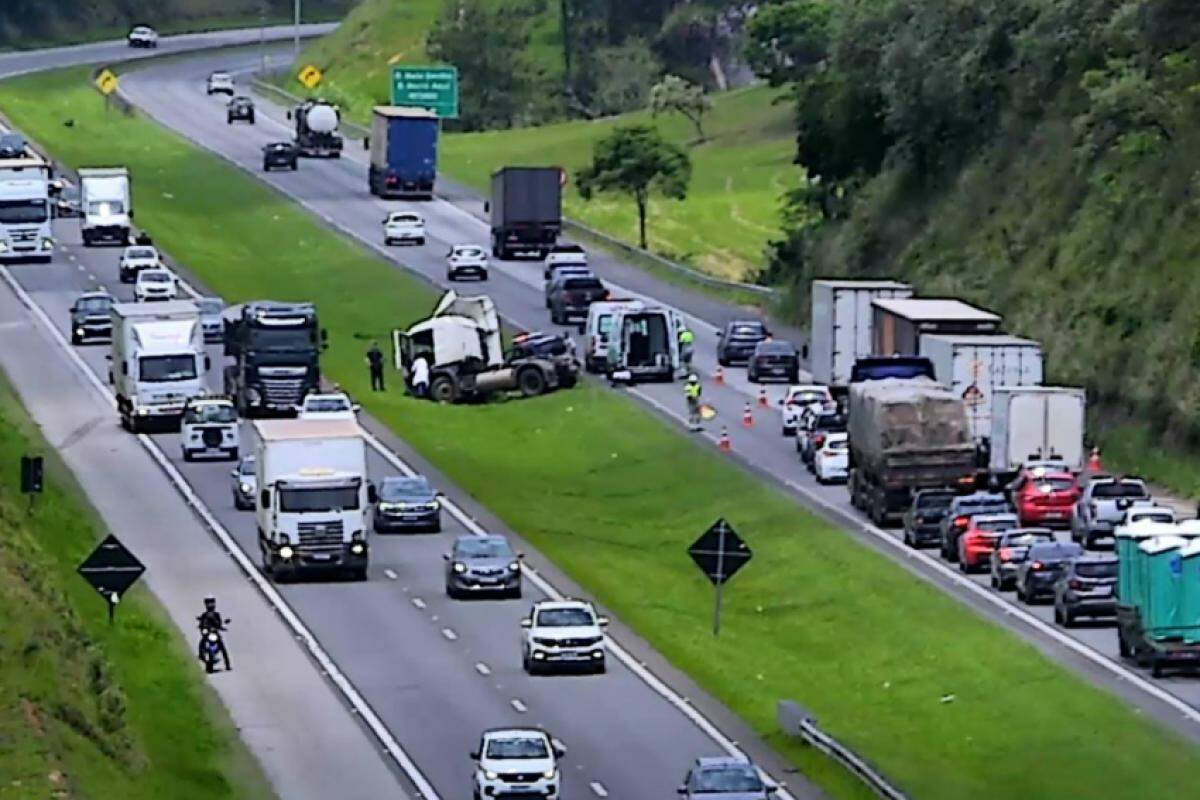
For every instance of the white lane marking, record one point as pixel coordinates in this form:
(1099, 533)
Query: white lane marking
(357, 702)
(450, 634)
(483, 669)
(520, 707)
(418, 602)
(391, 574)
(598, 789)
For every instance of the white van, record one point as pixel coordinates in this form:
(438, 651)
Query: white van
(597, 329)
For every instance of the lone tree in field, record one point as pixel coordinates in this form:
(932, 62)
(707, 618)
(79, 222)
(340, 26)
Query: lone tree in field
(673, 93)
(635, 160)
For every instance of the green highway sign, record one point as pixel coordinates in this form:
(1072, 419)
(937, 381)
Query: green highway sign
(434, 88)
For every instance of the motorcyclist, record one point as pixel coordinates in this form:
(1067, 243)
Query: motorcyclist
(211, 620)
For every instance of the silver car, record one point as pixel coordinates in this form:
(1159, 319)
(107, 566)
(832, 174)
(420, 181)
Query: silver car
(210, 318)
(482, 564)
(245, 484)
(725, 778)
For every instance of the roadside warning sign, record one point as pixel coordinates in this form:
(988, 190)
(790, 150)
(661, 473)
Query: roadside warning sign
(310, 76)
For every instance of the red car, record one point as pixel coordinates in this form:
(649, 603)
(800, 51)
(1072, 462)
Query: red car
(977, 542)
(1046, 498)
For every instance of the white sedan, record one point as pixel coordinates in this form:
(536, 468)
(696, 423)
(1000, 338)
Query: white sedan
(334, 405)
(401, 227)
(143, 36)
(798, 400)
(831, 462)
(466, 259)
(136, 258)
(155, 284)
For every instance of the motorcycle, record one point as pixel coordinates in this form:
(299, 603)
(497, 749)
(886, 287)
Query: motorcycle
(212, 649)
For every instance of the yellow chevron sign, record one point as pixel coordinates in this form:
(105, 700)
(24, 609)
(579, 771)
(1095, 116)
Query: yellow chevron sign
(107, 82)
(310, 76)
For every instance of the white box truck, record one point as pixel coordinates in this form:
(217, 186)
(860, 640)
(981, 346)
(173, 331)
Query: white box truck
(314, 497)
(157, 362)
(1037, 422)
(841, 325)
(973, 366)
(25, 231)
(105, 205)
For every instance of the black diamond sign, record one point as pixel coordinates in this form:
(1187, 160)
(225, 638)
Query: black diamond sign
(720, 552)
(111, 569)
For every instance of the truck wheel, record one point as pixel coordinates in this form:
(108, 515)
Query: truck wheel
(1122, 645)
(531, 382)
(442, 390)
(1156, 667)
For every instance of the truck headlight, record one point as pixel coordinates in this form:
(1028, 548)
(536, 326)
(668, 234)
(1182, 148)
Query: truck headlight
(47, 244)
(460, 567)
(286, 552)
(79, 332)
(143, 411)
(253, 396)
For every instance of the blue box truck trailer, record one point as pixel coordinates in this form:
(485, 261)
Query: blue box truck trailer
(403, 145)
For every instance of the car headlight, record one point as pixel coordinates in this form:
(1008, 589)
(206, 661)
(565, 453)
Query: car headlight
(286, 552)
(143, 411)
(79, 332)
(245, 488)
(253, 396)
(491, 776)
(514, 566)
(459, 567)
(548, 774)
(389, 507)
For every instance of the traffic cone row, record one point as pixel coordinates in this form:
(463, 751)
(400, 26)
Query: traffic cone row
(747, 417)
(762, 396)
(723, 443)
(719, 376)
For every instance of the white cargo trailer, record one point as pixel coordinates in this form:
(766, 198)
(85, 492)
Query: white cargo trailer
(841, 325)
(973, 366)
(1037, 422)
(105, 205)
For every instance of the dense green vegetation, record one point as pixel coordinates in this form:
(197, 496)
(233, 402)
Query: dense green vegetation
(898, 669)
(89, 710)
(36, 23)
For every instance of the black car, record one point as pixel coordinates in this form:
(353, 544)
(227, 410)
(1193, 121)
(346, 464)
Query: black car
(922, 521)
(817, 426)
(552, 347)
(737, 341)
(1086, 588)
(280, 154)
(1011, 549)
(958, 517)
(570, 295)
(478, 564)
(774, 360)
(240, 109)
(407, 504)
(90, 319)
(1043, 564)
(66, 204)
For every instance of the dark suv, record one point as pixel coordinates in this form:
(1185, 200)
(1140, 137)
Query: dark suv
(283, 155)
(1086, 589)
(958, 518)
(922, 521)
(773, 360)
(737, 342)
(1042, 566)
(570, 295)
(240, 109)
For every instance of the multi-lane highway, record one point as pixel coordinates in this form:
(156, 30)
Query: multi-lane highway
(336, 192)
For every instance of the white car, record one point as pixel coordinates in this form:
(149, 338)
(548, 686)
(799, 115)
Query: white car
(517, 762)
(220, 83)
(831, 461)
(466, 259)
(136, 258)
(563, 633)
(401, 227)
(798, 400)
(334, 405)
(155, 284)
(143, 36)
(564, 254)
(209, 427)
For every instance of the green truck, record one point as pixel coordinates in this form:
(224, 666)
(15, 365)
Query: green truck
(1158, 595)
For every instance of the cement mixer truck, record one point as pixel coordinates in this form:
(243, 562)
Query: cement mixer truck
(317, 129)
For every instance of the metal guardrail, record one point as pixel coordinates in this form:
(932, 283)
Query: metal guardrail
(611, 241)
(796, 721)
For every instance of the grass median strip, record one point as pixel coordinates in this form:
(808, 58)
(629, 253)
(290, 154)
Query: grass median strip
(937, 698)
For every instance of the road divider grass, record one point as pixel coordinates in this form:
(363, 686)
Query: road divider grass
(945, 703)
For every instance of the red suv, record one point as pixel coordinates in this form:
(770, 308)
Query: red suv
(1045, 498)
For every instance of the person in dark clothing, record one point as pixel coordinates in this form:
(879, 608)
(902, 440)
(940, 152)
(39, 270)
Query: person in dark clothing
(375, 363)
(211, 620)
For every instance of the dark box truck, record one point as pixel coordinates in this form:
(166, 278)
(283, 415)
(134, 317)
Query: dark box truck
(403, 144)
(526, 210)
(898, 324)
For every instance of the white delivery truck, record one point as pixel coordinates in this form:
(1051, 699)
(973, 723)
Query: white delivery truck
(841, 325)
(1033, 423)
(25, 231)
(158, 361)
(973, 366)
(314, 496)
(105, 205)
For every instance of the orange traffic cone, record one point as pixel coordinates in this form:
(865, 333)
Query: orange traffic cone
(747, 417)
(723, 443)
(1094, 463)
(762, 396)
(719, 376)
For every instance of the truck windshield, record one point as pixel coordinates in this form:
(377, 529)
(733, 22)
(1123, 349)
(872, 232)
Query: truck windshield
(159, 369)
(211, 413)
(340, 498)
(104, 208)
(18, 211)
(281, 339)
(1123, 489)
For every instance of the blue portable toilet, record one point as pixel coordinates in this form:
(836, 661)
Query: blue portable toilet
(1129, 537)
(1161, 567)
(1189, 591)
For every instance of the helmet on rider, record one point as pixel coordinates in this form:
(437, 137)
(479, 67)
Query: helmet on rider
(210, 603)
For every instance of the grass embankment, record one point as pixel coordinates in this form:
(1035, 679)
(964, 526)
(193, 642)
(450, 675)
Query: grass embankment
(938, 698)
(88, 710)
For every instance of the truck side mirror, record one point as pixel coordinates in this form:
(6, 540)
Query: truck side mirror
(264, 498)
(366, 143)
(487, 207)
(372, 493)
(207, 362)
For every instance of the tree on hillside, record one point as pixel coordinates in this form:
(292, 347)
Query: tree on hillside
(673, 93)
(636, 160)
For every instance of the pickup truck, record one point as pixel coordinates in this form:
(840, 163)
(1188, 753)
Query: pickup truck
(1102, 507)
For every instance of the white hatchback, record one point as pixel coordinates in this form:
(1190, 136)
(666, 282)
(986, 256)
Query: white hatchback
(831, 461)
(798, 400)
(401, 227)
(136, 258)
(155, 284)
(466, 259)
(517, 762)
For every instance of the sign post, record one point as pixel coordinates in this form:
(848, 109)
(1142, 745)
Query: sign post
(32, 477)
(720, 553)
(111, 569)
(433, 88)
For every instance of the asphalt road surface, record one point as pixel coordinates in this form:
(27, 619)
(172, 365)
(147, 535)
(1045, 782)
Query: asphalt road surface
(335, 191)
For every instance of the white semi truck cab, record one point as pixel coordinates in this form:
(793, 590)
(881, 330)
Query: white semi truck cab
(158, 361)
(314, 496)
(105, 205)
(25, 231)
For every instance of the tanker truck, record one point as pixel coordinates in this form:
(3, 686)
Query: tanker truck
(905, 434)
(317, 129)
